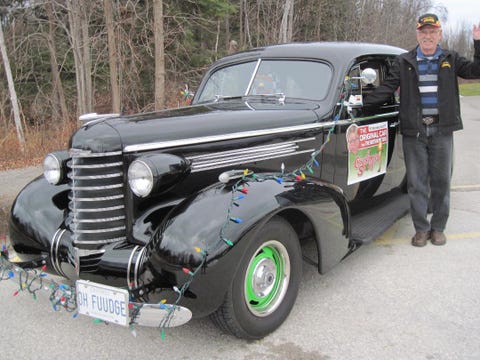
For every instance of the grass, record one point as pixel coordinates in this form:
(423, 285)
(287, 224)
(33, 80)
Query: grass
(39, 142)
(470, 89)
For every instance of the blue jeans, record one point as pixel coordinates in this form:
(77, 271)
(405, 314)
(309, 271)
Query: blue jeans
(428, 159)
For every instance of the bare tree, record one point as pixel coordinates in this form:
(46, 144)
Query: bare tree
(78, 20)
(286, 27)
(112, 56)
(57, 88)
(11, 89)
(159, 54)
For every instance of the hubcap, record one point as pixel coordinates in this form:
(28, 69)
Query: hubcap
(267, 278)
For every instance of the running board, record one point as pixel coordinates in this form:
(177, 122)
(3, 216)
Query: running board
(380, 214)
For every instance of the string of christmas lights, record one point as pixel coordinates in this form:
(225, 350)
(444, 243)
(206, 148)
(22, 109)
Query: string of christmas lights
(63, 296)
(31, 281)
(240, 187)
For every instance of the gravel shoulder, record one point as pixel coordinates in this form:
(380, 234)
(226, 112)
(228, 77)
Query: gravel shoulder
(12, 181)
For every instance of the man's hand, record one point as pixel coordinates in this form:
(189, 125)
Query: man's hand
(476, 32)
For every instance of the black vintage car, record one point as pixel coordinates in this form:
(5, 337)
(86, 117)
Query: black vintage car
(211, 209)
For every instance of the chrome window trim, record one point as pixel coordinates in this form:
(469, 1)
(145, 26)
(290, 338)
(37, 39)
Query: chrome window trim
(252, 77)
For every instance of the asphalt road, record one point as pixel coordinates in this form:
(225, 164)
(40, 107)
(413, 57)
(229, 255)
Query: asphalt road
(388, 300)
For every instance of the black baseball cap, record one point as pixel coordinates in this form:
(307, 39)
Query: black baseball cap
(428, 19)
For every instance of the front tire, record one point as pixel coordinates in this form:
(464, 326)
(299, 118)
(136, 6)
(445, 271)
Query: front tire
(265, 286)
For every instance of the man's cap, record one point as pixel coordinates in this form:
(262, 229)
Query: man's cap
(428, 19)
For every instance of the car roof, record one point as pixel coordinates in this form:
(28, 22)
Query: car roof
(330, 51)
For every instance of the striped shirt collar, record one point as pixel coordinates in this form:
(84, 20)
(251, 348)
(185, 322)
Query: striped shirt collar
(421, 56)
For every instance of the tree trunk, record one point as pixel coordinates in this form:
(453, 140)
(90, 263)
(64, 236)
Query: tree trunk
(81, 54)
(159, 37)
(112, 56)
(87, 59)
(286, 31)
(11, 89)
(57, 92)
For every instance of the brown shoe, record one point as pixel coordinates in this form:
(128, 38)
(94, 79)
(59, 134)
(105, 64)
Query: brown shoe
(420, 238)
(438, 237)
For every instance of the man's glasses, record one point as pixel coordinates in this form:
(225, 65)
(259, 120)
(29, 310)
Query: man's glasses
(428, 32)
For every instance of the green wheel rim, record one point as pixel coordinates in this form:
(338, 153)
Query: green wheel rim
(267, 277)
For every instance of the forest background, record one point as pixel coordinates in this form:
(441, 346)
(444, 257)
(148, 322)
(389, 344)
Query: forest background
(63, 58)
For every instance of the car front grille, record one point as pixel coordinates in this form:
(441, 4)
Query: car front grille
(96, 201)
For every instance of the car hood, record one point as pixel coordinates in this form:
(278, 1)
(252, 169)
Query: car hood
(114, 134)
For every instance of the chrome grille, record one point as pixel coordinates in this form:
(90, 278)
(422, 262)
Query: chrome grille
(97, 202)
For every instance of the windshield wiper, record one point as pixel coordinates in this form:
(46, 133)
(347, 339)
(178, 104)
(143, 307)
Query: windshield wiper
(227, 97)
(279, 96)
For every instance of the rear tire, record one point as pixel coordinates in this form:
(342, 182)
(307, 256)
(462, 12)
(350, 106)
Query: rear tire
(265, 286)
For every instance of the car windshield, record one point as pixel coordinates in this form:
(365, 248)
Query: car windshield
(290, 78)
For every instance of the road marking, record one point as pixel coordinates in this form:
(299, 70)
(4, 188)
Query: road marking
(387, 239)
(475, 187)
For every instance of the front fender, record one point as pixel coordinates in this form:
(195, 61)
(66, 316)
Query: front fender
(35, 216)
(199, 221)
(205, 221)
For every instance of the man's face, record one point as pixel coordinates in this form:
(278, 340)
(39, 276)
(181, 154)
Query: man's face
(428, 38)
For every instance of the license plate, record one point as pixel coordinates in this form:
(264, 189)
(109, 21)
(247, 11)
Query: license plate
(102, 302)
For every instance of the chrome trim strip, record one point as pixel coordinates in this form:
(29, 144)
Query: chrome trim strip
(92, 118)
(130, 258)
(54, 250)
(244, 134)
(276, 146)
(111, 208)
(99, 242)
(92, 177)
(107, 187)
(137, 266)
(223, 137)
(244, 152)
(252, 77)
(98, 166)
(116, 218)
(379, 116)
(84, 252)
(242, 160)
(99, 231)
(102, 198)
(239, 156)
(88, 153)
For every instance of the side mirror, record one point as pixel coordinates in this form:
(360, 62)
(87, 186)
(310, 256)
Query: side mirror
(368, 76)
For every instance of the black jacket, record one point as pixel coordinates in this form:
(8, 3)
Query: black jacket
(404, 73)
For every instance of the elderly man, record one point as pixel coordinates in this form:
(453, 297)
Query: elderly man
(429, 114)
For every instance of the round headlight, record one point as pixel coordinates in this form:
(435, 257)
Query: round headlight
(52, 169)
(140, 178)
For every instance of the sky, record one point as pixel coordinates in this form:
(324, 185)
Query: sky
(461, 10)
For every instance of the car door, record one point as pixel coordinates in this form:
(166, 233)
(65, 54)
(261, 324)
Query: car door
(369, 159)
